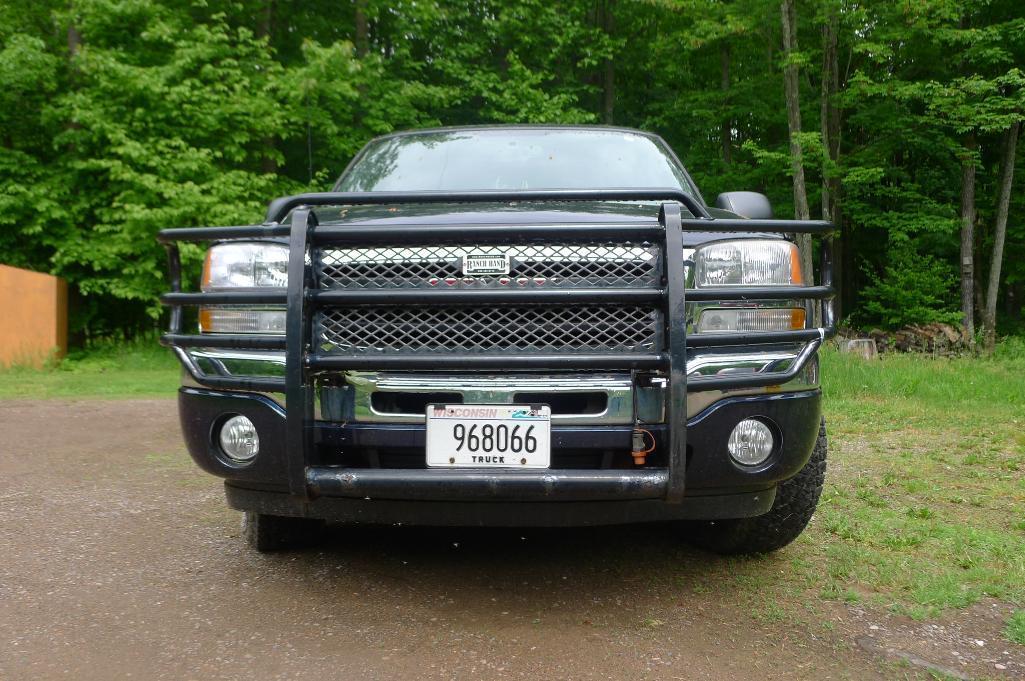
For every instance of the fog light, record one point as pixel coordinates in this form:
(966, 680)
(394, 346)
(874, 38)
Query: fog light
(239, 440)
(750, 442)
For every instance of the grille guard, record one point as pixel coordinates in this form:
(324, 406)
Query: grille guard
(303, 297)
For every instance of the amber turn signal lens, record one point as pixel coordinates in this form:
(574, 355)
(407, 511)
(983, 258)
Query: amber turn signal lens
(204, 281)
(796, 275)
(797, 318)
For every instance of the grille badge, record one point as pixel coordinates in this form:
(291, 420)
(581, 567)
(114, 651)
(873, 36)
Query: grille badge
(477, 264)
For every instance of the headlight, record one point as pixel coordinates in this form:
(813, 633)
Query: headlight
(749, 262)
(252, 265)
(244, 266)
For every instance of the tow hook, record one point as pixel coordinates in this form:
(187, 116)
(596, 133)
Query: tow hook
(639, 450)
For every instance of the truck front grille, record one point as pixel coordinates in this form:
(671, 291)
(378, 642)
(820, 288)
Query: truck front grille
(490, 329)
(613, 265)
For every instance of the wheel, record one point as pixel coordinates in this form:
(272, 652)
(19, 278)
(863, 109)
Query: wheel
(795, 503)
(269, 533)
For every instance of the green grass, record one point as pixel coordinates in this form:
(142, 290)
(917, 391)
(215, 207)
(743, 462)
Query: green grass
(924, 505)
(923, 508)
(1015, 630)
(142, 369)
(923, 511)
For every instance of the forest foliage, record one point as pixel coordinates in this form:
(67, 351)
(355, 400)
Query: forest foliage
(122, 117)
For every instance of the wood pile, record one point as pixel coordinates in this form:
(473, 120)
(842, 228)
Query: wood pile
(933, 339)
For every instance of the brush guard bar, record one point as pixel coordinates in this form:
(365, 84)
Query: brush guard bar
(302, 297)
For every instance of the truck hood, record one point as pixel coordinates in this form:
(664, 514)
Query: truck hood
(516, 213)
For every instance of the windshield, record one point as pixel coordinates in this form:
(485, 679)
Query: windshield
(512, 159)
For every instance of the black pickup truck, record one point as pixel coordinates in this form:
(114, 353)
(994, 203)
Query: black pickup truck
(508, 325)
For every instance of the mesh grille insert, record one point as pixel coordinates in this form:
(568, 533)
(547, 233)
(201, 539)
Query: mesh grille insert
(548, 328)
(619, 264)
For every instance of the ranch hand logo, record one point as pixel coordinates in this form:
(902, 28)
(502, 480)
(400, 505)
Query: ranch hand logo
(483, 263)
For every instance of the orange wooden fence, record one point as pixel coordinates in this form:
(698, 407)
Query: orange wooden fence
(33, 317)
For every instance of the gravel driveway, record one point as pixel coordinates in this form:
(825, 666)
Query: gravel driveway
(119, 559)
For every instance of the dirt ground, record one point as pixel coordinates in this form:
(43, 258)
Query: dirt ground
(119, 559)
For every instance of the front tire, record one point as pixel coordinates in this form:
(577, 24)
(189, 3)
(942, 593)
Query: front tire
(270, 533)
(794, 506)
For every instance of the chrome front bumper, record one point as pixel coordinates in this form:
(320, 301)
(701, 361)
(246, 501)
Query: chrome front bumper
(616, 406)
(623, 401)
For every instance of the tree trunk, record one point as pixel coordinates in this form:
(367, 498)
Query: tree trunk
(727, 122)
(1007, 159)
(830, 116)
(265, 29)
(968, 238)
(830, 126)
(362, 29)
(74, 40)
(609, 72)
(74, 37)
(74, 46)
(791, 88)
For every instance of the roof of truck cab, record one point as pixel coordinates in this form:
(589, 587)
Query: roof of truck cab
(520, 126)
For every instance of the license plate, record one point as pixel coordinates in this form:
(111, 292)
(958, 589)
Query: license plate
(489, 436)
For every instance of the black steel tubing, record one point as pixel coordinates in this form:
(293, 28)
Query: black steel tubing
(760, 293)
(462, 362)
(298, 395)
(514, 485)
(483, 231)
(412, 234)
(447, 296)
(443, 295)
(712, 340)
(828, 308)
(745, 225)
(174, 268)
(279, 208)
(238, 341)
(217, 233)
(676, 332)
(272, 297)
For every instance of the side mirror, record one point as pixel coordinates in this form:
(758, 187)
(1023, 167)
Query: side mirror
(745, 204)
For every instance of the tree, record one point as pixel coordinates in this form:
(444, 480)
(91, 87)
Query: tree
(607, 21)
(1007, 160)
(793, 99)
(829, 125)
(969, 159)
(171, 113)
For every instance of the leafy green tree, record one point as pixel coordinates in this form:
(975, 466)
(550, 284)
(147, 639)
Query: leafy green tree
(120, 118)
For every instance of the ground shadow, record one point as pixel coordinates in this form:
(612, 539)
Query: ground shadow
(583, 573)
